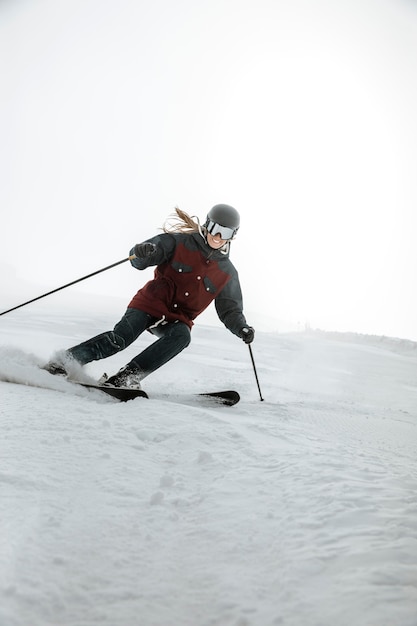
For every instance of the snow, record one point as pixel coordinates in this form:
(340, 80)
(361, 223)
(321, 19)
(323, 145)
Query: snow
(299, 510)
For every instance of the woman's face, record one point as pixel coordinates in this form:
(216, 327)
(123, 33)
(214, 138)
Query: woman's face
(215, 241)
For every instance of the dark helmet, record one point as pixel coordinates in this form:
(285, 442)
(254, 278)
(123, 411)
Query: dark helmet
(223, 219)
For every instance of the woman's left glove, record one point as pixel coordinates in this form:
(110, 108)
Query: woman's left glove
(247, 333)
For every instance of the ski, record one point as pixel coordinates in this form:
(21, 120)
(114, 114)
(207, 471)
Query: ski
(120, 393)
(227, 398)
(123, 394)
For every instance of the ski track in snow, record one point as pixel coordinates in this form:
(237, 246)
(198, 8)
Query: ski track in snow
(300, 510)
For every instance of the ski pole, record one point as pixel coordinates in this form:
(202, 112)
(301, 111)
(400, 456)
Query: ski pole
(254, 369)
(129, 258)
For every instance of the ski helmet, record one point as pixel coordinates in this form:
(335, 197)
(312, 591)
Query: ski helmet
(223, 219)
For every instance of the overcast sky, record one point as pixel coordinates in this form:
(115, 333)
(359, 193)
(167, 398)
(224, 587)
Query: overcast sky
(300, 114)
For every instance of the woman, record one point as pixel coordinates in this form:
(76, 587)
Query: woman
(192, 269)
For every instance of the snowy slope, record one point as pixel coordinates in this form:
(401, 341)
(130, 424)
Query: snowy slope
(300, 510)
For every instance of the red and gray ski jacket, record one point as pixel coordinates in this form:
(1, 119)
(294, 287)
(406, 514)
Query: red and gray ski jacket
(189, 275)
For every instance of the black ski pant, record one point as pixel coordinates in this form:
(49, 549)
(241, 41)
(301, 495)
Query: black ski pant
(172, 339)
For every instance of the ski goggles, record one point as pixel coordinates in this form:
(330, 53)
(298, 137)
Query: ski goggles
(217, 229)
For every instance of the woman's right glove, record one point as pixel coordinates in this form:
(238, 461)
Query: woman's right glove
(144, 250)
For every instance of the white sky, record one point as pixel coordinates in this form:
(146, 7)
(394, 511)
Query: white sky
(300, 114)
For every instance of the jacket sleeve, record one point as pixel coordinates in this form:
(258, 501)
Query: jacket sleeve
(165, 247)
(229, 305)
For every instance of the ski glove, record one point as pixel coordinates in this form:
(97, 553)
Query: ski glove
(144, 250)
(247, 333)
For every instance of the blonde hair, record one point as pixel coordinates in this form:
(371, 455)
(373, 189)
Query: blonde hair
(181, 222)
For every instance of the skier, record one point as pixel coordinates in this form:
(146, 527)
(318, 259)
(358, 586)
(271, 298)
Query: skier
(192, 269)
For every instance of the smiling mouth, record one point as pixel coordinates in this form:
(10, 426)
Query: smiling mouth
(216, 240)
